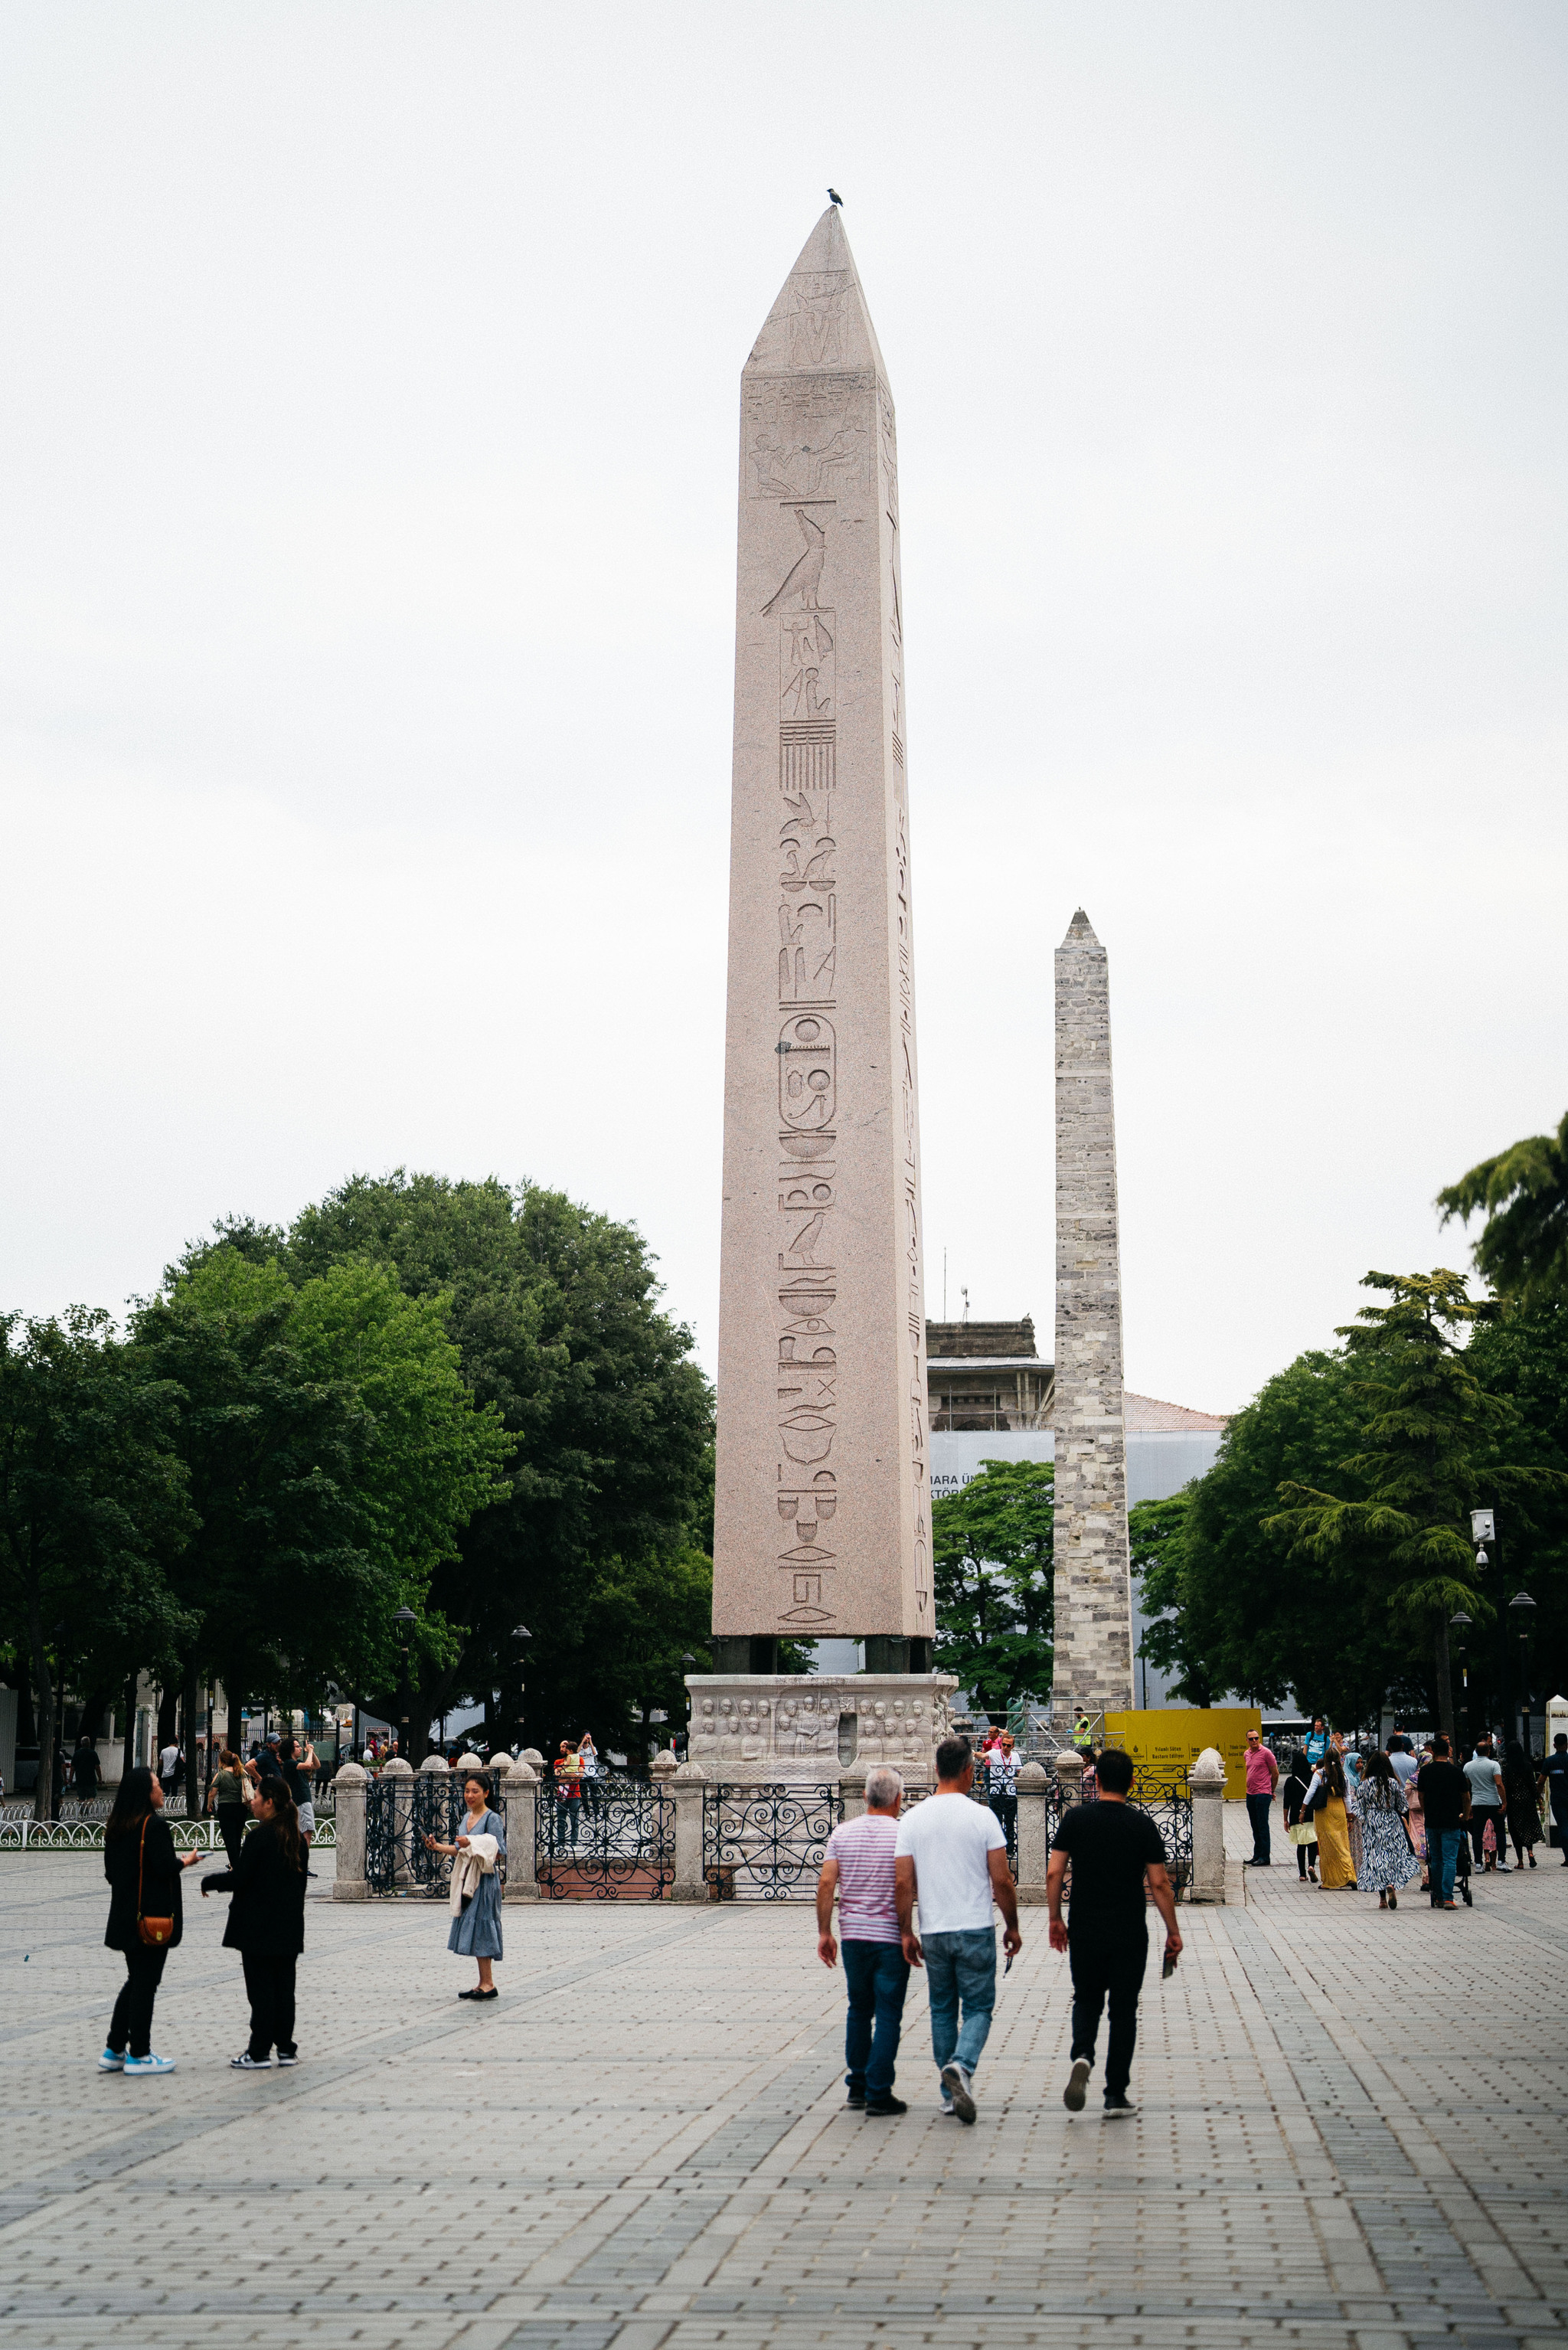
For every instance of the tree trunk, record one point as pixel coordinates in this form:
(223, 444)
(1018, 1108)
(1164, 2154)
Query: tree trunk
(128, 1750)
(1444, 1682)
(193, 1767)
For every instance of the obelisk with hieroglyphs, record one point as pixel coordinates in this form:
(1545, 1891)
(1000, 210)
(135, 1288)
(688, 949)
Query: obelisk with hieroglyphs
(1092, 1586)
(822, 1517)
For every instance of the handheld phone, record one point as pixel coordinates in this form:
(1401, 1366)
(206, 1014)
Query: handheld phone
(1169, 1969)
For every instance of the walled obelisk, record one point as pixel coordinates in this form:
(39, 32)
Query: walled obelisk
(1093, 1588)
(822, 1526)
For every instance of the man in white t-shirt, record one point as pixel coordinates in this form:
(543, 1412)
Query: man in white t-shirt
(169, 1767)
(952, 1858)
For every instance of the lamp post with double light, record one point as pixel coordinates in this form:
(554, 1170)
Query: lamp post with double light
(520, 1635)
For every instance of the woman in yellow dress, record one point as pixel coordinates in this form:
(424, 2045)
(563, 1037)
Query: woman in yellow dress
(1325, 1804)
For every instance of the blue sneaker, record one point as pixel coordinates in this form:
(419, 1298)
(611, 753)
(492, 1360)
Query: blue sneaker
(109, 2062)
(148, 2065)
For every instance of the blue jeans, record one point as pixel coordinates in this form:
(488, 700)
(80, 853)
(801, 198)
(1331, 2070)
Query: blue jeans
(960, 1969)
(1447, 1855)
(878, 1975)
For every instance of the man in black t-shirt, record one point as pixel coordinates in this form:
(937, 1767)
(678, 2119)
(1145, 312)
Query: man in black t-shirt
(1442, 1787)
(1113, 1848)
(1557, 1787)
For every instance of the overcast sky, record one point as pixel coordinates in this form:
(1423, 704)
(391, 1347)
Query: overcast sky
(368, 416)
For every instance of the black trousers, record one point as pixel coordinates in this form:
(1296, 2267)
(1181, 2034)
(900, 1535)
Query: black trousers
(269, 1987)
(1480, 1815)
(131, 2026)
(232, 1828)
(1105, 1969)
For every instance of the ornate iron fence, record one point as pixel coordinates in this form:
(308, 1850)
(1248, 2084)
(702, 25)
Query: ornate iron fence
(28, 1835)
(400, 1814)
(615, 1842)
(766, 1843)
(1164, 1796)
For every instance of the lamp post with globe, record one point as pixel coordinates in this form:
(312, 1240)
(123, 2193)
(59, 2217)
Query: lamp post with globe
(1521, 1608)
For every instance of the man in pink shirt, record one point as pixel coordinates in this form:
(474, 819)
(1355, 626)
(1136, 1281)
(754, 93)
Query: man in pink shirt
(1262, 1778)
(859, 1865)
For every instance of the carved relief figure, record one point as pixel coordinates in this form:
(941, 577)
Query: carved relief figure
(804, 577)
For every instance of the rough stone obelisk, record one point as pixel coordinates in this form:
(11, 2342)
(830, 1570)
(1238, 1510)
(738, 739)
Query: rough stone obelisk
(1092, 1588)
(822, 1524)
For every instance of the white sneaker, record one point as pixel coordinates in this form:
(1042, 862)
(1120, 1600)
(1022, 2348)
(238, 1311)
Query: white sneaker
(956, 2082)
(249, 2064)
(149, 2064)
(109, 2062)
(1072, 2096)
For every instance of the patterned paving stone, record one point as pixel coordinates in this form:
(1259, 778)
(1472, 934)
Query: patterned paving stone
(1351, 2136)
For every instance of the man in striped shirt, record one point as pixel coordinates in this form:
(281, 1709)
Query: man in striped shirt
(859, 1866)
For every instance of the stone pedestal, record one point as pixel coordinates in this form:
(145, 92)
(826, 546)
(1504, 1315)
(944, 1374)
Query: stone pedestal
(1207, 1781)
(348, 1879)
(1033, 1842)
(522, 1801)
(804, 1728)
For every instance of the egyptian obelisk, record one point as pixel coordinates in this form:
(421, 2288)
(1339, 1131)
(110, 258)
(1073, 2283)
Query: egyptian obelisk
(822, 1526)
(1093, 1588)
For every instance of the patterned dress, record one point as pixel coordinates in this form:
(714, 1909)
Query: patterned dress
(1386, 1859)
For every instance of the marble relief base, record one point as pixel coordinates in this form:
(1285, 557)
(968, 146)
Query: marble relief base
(803, 1729)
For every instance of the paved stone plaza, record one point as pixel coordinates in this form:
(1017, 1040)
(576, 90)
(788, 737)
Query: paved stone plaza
(1352, 2132)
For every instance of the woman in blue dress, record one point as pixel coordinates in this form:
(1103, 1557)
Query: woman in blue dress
(475, 1884)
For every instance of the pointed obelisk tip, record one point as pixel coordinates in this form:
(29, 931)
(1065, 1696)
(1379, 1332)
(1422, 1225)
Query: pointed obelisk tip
(820, 323)
(1080, 931)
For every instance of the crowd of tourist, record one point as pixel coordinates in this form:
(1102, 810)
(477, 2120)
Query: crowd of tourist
(1375, 1818)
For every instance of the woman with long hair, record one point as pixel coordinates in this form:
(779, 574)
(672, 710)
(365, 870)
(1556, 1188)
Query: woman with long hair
(1324, 1806)
(475, 1902)
(145, 1918)
(1387, 1856)
(1521, 1792)
(266, 1923)
(1298, 1826)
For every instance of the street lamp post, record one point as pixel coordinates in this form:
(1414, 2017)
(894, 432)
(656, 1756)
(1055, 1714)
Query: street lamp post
(520, 1635)
(1522, 1606)
(405, 1619)
(688, 1664)
(1483, 1529)
(1459, 1624)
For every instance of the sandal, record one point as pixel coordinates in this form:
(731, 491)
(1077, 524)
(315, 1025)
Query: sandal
(1393, 1899)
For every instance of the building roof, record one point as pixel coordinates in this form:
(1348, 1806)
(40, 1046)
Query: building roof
(986, 1363)
(984, 1341)
(1149, 1416)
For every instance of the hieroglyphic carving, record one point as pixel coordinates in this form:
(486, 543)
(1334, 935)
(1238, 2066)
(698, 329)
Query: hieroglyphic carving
(800, 581)
(807, 439)
(807, 679)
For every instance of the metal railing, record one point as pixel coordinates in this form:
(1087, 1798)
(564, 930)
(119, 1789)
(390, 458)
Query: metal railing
(766, 1842)
(400, 1814)
(613, 1842)
(85, 1834)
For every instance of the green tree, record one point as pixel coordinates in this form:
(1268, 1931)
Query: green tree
(333, 1453)
(1430, 1430)
(1237, 1616)
(92, 1494)
(1159, 1533)
(1523, 1357)
(555, 1314)
(1522, 1250)
(992, 1552)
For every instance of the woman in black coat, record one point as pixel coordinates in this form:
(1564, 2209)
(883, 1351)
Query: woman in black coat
(266, 1923)
(143, 1871)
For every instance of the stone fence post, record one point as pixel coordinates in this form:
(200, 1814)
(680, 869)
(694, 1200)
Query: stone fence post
(522, 1799)
(1206, 1780)
(1034, 1842)
(1070, 1774)
(348, 1787)
(687, 1785)
(400, 1776)
(852, 1787)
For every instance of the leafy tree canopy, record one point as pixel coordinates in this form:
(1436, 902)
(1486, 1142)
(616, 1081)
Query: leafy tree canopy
(1522, 1193)
(992, 1551)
